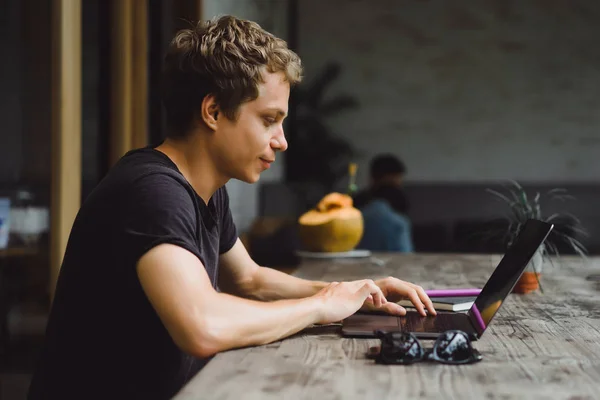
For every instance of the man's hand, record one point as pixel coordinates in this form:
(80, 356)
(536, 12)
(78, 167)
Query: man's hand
(340, 300)
(394, 290)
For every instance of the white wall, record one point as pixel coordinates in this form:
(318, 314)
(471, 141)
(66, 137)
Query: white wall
(271, 15)
(470, 90)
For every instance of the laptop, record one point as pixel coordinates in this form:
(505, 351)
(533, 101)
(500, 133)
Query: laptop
(478, 318)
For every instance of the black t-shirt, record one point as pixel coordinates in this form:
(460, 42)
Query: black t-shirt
(104, 338)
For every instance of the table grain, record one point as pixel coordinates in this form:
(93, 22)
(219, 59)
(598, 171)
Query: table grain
(539, 346)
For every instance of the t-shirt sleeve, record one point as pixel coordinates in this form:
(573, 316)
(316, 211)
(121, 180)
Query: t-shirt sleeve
(228, 230)
(158, 210)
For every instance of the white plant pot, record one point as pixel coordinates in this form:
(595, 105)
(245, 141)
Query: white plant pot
(537, 261)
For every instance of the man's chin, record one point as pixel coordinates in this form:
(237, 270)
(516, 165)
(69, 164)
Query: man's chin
(249, 178)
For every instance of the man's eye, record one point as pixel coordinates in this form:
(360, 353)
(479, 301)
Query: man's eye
(270, 121)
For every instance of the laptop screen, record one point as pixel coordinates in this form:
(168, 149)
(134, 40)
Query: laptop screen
(507, 273)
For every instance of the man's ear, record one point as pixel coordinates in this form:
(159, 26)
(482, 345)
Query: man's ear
(210, 111)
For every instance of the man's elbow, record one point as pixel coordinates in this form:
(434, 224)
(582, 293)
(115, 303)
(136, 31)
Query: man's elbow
(245, 288)
(204, 342)
(202, 350)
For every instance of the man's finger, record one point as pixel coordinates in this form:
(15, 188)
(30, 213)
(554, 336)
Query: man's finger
(393, 309)
(365, 292)
(414, 298)
(378, 297)
(369, 288)
(426, 300)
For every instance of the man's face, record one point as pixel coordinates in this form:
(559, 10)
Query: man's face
(247, 146)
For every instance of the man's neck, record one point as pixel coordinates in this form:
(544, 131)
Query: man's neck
(192, 158)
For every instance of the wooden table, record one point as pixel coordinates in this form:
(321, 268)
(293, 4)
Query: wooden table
(537, 347)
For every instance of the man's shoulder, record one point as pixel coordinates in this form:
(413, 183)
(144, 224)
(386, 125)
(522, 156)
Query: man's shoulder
(380, 208)
(377, 206)
(145, 167)
(142, 177)
(143, 161)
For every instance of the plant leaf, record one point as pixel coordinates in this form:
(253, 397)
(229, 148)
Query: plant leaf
(500, 195)
(537, 278)
(563, 197)
(575, 219)
(513, 205)
(556, 190)
(551, 260)
(328, 74)
(516, 184)
(337, 104)
(578, 247)
(553, 217)
(553, 248)
(579, 230)
(572, 241)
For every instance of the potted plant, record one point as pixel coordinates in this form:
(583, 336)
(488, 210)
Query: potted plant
(567, 228)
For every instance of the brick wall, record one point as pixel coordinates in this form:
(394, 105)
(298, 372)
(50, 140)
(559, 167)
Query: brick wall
(465, 91)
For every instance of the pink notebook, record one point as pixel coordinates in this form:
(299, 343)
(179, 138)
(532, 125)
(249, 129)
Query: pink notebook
(453, 292)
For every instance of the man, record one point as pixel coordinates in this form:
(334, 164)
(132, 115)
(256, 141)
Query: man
(385, 207)
(137, 312)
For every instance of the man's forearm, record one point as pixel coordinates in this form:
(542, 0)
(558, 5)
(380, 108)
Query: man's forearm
(269, 284)
(235, 322)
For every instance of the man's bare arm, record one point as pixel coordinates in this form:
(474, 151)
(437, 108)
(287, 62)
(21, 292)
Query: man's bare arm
(241, 276)
(203, 322)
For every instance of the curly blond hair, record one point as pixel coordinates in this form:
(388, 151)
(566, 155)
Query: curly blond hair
(224, 57)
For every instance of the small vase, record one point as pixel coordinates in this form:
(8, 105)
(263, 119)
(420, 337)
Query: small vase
(529, 281)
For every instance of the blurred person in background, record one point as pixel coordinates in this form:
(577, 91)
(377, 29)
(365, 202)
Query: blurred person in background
(385, 207)
(136, 311)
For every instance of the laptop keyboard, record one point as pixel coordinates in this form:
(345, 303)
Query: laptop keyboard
(414, 322)
(364, 324)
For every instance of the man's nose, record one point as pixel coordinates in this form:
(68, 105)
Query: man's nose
(278, 142)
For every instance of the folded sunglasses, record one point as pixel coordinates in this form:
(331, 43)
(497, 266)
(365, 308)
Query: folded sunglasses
(451, 347)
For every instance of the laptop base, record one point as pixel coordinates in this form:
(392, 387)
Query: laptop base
(430, 327)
